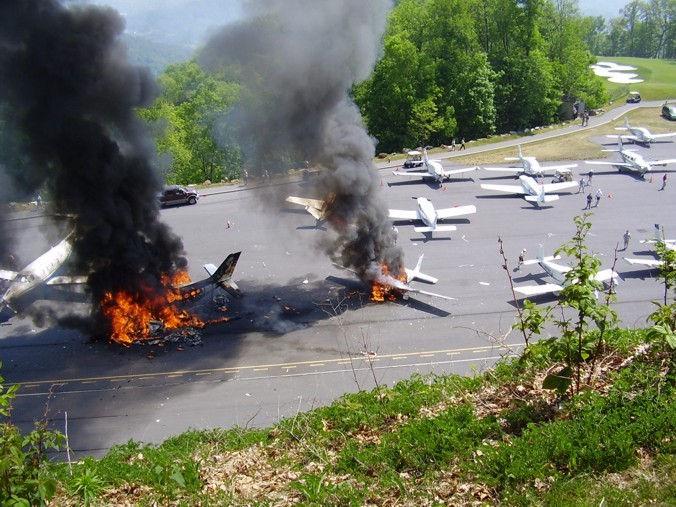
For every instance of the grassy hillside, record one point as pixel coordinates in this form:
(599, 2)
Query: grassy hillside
(659, 78)
(496, 439)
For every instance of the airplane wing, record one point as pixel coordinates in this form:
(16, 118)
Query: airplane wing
(419, 291)
(459, 171)
(618, 164)
(628, 137)
(456, 211)
(66, 280)
(510, 189)
(438, 228)
(606, 275)
(6, 274)
(557, 167)
(651, 263)
(423, 174)
(403, 214)
(537, 290)
(662, 162)
(555, 187)
(515, 170)
(661, 136)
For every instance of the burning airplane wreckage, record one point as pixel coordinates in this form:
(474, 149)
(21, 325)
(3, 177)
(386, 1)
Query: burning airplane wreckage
(69, 94)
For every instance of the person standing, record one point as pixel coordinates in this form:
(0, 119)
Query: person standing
(522, 257)
(589, 200)
(626, 237)
(581, 183)
(589, 176)
(453, 144)
(395, 235)
(664, 181)
(599, 194)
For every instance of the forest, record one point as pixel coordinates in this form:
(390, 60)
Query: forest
(448, 69)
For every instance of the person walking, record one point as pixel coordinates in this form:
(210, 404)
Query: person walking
(599, 194)
(590, 174)
(395, 235)
(589, 201)
(453, 144)
(581, 183)
(626, 237)
(522, 257)
(462, 144)
(664, 181)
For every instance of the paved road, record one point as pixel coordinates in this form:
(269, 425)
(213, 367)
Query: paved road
(301, 339)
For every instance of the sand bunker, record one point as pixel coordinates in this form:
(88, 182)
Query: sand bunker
(616, 73)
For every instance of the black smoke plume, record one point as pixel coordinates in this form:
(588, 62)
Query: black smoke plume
(68, 96)
(297, 61)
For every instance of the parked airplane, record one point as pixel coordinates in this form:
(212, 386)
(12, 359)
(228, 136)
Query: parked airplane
(558, 273)
(639, 134)
(434, 169)
(42, 269)
(669, 244)
(634, 162)
(531, 190)
(426, 212)
(529, 166)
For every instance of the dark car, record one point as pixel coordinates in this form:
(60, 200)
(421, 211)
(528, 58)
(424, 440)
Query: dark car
(176, 194)
(669, 111)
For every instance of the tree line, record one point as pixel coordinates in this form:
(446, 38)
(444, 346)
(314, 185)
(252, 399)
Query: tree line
(450, 69)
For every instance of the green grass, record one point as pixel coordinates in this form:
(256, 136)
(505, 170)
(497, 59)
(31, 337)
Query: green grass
(659, 79)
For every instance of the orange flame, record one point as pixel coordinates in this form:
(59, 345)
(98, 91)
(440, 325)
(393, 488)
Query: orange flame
(130, 315)
(381, 292)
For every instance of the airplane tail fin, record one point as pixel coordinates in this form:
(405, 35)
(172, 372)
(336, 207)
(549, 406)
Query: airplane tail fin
(223, 275)
(415, 274)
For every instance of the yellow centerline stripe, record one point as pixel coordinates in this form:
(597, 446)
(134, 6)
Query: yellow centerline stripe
(263, 367)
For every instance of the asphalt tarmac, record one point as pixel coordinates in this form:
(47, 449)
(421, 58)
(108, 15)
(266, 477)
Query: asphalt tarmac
(305, 333)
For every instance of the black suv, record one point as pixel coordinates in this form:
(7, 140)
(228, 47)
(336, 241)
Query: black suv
(176, 194)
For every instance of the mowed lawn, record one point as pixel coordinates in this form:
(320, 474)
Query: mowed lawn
(659, 78)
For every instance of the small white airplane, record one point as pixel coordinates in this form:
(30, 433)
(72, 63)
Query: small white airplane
(639, 134)
(42, 269)
(529, 166)
(558, 273)
(669, 244)
(531, 190)
(434, 170)
(633, 162)
(429, 215)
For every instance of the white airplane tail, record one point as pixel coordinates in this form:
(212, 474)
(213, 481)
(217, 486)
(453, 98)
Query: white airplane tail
(416, 274)
(541, 198)
(438, 228)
